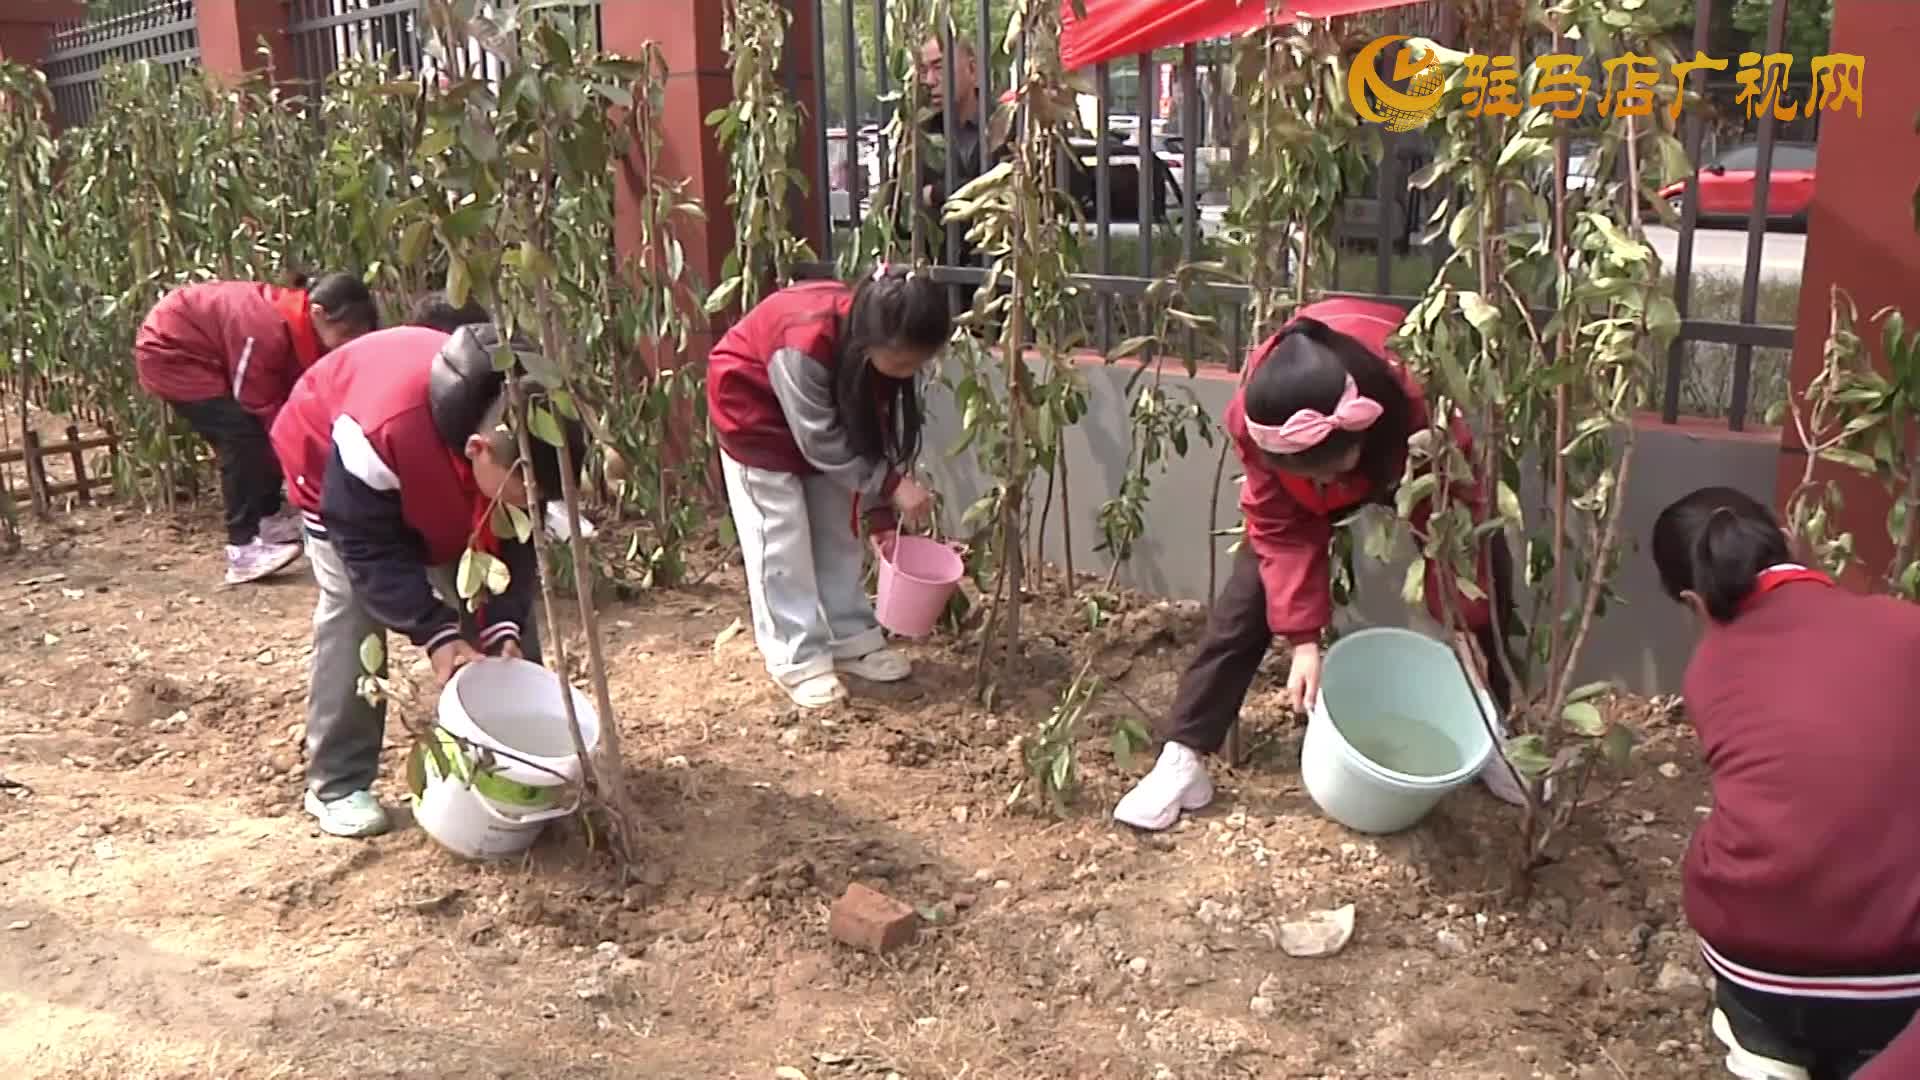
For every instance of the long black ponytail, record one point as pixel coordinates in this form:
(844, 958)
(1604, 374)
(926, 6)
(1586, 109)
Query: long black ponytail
(1715, 543)
(894, 307)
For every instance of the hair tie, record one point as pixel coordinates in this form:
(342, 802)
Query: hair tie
(1308, 428)
(881, 270)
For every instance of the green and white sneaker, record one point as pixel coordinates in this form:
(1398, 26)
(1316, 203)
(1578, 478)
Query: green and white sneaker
(358, 814)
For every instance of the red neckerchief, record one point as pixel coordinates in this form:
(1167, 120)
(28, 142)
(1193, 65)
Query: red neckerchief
(1785, 574)
(1349, 489)
(294, 306)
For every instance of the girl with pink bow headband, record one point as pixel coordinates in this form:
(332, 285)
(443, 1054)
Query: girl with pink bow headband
(1322, 424)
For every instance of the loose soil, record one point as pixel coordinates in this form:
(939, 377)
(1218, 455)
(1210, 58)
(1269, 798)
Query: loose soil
(167, 911)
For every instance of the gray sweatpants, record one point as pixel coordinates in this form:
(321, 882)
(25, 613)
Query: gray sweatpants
(806, 570)
(344, 730)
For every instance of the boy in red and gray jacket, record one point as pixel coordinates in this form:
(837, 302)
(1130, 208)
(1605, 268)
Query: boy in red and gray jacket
(226, 354)
(396, 453)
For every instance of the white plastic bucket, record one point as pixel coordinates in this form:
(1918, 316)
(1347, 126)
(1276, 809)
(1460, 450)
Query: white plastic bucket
(1393, 730)
(917, 578)
(502, 734)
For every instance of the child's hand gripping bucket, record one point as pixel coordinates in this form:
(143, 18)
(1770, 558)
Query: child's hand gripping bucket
(918, 577)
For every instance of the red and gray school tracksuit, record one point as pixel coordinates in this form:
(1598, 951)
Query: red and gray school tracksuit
(226, 355)
(1281, 583)
(1804, 881)
(795, 486)
(388, 511)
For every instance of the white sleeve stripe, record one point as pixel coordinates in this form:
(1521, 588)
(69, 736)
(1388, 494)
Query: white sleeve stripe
(358, 455)
(240, 369)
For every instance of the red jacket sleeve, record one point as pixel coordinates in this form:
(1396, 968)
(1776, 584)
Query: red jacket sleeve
(1291, 542)
(264, 365)
(1901, 1061)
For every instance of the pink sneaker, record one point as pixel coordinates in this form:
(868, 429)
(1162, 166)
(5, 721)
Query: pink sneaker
(282, 528)
(251, 562)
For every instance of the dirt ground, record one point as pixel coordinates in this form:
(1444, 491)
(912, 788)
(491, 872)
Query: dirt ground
(167, 911)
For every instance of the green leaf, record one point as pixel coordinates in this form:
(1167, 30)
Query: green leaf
(1528, 754)
(472, 573)
(544, 427)
(1584, 717)
(373, 654)
(1483, 315)
(413, 242)
(1510, 504)
(499, 577)
(1414, 590)
(1590, 691)
(459, 284)
(467, 222)
(1851, 458)
(1123, 750)
(1618, 746)
(437, 142)
(1062, 768)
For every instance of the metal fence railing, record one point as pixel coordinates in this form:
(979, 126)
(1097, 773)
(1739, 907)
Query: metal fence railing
(1736, 337)
(165, 32)
(326, 33)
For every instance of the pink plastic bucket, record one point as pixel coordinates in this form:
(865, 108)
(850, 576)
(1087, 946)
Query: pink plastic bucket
(917, 578)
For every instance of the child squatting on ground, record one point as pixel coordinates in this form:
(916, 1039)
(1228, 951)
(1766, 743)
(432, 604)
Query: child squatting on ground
(1804, 881)
(814, 399)
(396, 452)
(1322, 424)
(225, 355)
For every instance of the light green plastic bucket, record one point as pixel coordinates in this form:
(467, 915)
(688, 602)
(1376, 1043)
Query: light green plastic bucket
(1395, 728)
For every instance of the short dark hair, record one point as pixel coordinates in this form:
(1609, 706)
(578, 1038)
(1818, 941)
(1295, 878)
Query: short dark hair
(1714, 543)
(436, 311)
(344, 297)
(1307, 367)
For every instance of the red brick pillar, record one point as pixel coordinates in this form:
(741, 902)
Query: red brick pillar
(26, 26)
(231, 32)
(1861, 236)
(689, 33)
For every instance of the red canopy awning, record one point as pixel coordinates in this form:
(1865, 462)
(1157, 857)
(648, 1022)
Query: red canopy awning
(1115, 28)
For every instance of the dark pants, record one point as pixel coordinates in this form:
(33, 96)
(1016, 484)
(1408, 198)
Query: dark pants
(1829, 1037)
(250, 477)
(1236, 640)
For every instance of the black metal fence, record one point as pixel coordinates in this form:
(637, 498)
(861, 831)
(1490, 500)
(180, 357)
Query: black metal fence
(165, 32)
(327, 33)
(1730, 360)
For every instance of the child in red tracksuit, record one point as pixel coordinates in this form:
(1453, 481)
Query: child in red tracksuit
(1804, 881)
(814, 401)
(226, 354)
(1321, 424)
(396, 452)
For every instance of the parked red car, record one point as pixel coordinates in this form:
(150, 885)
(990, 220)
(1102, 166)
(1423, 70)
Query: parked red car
(1727, 185)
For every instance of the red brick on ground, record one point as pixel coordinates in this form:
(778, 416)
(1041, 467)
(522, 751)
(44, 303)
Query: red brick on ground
(865, 919)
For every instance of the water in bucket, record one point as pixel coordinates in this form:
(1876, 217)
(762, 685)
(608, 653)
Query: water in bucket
(1399, 742)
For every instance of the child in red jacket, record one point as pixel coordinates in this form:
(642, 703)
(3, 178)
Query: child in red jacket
(226, 354)
(1804, 881)
(814, 401)
(1321, 424)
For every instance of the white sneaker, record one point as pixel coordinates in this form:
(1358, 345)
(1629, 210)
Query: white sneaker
(1747, 1064)
(358, 814)
(1178, 782)
(251, 562)
(880, 666)
(817, 692)
(284, 527)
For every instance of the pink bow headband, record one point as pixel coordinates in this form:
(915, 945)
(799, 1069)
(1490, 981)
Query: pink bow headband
(1307, 429)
